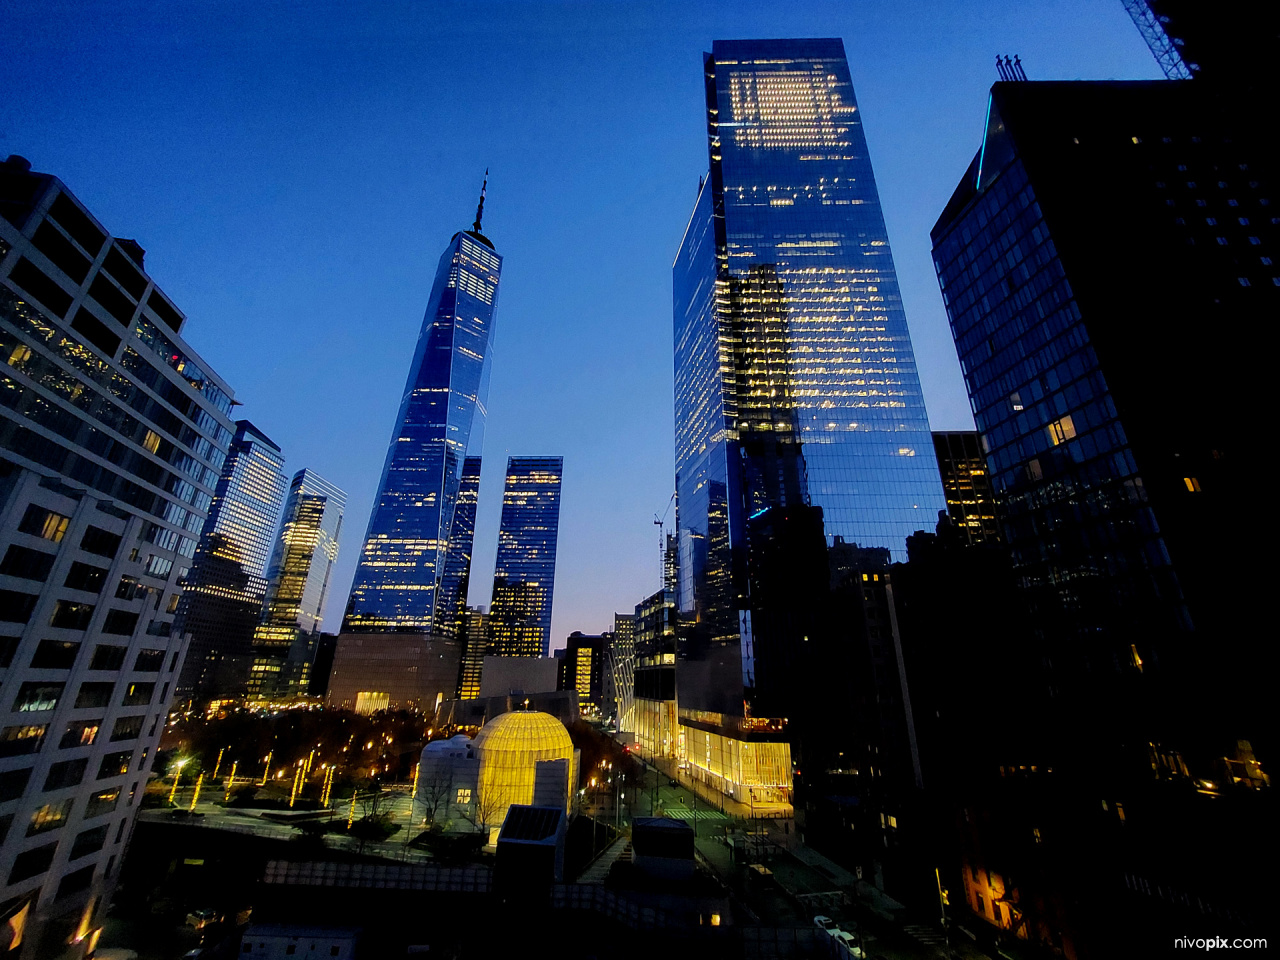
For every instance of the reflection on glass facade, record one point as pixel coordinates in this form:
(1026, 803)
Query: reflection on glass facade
(525, 570)
(222, 599)
(452, 605)
(301, 565)
(398, 582)
(795, 379)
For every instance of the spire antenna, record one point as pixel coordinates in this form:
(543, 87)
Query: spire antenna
(480, 209)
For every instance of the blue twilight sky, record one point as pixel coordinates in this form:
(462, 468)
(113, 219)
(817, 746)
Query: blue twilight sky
(295, 169)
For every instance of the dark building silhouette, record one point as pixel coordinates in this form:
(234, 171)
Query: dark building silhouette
(1094, 259)
(971, 504)
(583, 668)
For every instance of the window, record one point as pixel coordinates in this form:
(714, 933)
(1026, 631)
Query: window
(127, 728)
(1192, 484)
(108, 657)
(464, 796)
(80, 733)
(16, 607)
(85, 576)
(158, 566)
(40, 522)
(87, 842)
(20, 740)
(55, 655)
(52, 816)
(13, 783)
(138, 694)
(31, 863)
(70, 615)
(94, 695)
(120, 622)
(104, 801)
(115, 764)
(129, 588)
(26, 563)
(99, 541)
(36, 696)
(149, 661)
(66, 773)
(8, 647)
(1060, 431)
(75, 881)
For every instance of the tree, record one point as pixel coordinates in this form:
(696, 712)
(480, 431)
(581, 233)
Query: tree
(435, 792)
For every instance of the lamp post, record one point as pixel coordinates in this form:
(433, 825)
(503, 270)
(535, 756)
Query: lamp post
(177, 772)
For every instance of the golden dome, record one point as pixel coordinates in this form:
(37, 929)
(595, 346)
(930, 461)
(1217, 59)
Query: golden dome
(510, 747)
(536, 735)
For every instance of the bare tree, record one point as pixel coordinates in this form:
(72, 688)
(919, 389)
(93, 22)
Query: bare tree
(483, 809)
(436, 792)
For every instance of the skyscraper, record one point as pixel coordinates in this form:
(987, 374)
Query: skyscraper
(222, 598)
(398, 582)
(1108, 242)
(301, 565)
(963, 466)
(113, 433)
(796, 385)
(456, 581)
(525, 571)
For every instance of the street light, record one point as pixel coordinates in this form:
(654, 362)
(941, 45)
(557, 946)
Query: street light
(177, 772)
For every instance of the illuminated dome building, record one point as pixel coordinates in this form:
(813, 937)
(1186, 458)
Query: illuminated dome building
(519, 757)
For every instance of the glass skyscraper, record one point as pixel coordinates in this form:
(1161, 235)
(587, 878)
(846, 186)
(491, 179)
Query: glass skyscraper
(452, 604)
(795, 381)
(301, 565)
(398, 582)
(222, 598)
(525, 571)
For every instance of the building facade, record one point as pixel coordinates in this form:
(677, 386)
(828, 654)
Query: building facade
(971, 504)
(456, 581)
(525, 570)
(583, 668)
(301, 566)
(398, 583)
(222, 598)
(1102, 231)
(796, 384)
(113, 434)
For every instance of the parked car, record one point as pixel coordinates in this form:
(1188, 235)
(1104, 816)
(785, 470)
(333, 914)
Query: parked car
(849, 941)
(825, 923)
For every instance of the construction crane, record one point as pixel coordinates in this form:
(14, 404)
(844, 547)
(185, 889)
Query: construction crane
(660, 523)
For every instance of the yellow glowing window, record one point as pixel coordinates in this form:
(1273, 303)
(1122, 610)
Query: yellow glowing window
(464, 795)
(55, 527)
(1060, 431)
(151, 441)
(1192, 484)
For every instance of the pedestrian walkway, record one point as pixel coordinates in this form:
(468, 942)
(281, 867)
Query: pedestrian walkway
(684, 813)
(926, 935)
(598, 870)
